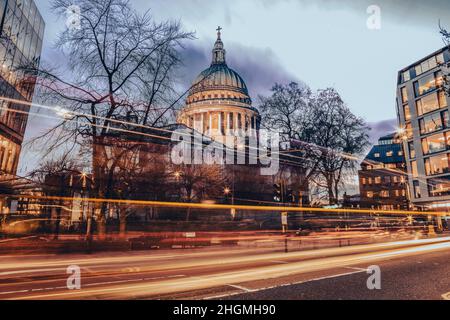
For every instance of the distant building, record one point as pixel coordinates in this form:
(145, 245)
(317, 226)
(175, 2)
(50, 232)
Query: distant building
(21, 34)
(422, 108)
(383, 177)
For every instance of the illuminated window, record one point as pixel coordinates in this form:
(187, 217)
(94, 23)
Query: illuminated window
(427, 83)
(409, 130)
(384, 193)
(412, 151)
(439, 186)
(404, 95)
(434, 143)
(369, 194)
(407, 112)
(414, 170)
(376, 155)
(389, 153)
(437, 165)
(431, 123)
(377, 180)
(427, 104)
(416, 188)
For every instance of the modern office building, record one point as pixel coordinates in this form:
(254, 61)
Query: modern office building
(22, 31)
(423, 116)
(383, 177)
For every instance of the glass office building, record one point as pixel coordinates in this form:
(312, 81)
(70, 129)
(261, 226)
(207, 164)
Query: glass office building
(22, 31)
(423, 116)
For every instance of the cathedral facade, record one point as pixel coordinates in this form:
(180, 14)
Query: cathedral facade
(218, 104)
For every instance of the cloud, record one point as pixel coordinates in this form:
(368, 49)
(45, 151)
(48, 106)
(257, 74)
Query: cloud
(381, 128)
(260, 68)
(413, 12)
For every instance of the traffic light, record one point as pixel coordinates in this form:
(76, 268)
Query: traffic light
(290, 196)
(278, 192)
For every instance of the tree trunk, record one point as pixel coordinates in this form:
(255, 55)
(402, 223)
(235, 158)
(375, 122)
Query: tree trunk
(188, 213)
(122, 223)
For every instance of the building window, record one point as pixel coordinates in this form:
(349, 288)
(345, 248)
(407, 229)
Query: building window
(377, 180)
(369, 194)
(431, 102)
(363, 181)
(445, 119)
(435, 143)
(389, 153)
(376, 155)
(407, 112)
(387, 179)
(431, 123)
(414, 170)
(404, 95)
(409, 131)
(400, 153)
(437, 165)
(406, 76)
(439, 186)
(429, 64)
(416, 188)
(428, 83)
(412, 151)
(384, 193)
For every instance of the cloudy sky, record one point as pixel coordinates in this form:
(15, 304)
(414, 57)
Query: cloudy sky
(319, 42)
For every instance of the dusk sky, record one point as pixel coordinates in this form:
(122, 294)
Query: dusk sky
(320, 43)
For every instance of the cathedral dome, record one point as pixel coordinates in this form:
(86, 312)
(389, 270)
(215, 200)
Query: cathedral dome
(218, 104)
(219, 77)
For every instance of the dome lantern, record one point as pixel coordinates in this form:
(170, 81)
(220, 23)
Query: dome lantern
(218, 51)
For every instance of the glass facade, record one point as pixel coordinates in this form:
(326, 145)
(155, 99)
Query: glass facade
(22, 32)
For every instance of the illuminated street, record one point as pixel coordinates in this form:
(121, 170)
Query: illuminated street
(215, 273)
(191, 152)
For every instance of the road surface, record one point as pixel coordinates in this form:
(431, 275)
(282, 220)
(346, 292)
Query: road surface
(410, 269)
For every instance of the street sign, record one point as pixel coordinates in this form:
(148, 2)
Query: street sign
(284, 218)
(190, 235)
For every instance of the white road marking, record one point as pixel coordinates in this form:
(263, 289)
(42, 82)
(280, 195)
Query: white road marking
(355, 268)
(240, 288)
(281, 285)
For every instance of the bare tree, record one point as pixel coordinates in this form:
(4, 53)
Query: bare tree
(199, 182)
(54, 177)
(120, 63)
(288, 111)
(340, 135)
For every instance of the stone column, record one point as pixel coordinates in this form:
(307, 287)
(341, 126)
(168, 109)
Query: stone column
(210, 122)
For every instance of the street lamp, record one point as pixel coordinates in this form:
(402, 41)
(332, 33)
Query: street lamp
(226, 191)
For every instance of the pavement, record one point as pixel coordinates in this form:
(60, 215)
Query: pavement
(410, 269)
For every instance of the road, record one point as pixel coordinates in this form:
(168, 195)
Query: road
(410, 269)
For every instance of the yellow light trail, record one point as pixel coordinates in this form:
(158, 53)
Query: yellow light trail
(229, 206)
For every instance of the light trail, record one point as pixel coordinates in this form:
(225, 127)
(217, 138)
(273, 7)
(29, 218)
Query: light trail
(257, 268)
(229, 206)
